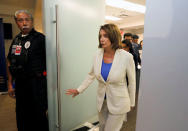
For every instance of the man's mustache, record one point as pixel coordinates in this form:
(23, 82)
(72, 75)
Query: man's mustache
(25, 27)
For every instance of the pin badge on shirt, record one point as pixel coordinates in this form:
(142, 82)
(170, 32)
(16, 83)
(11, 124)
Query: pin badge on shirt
(18, 50)
(13, 49)
(27, 44)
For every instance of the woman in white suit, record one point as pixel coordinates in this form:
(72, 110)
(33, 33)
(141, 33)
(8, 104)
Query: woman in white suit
(110, 66)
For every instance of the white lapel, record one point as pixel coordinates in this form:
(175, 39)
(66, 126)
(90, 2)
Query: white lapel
(100, 59)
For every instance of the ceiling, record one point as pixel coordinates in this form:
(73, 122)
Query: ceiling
(129, 20)
(142, 2)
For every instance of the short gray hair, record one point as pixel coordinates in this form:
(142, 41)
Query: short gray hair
(22, 11)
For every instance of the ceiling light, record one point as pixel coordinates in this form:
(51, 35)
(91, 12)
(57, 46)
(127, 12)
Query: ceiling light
(126, 5)
(112, 18)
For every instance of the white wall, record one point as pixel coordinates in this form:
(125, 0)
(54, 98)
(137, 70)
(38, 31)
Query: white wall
(163, 104)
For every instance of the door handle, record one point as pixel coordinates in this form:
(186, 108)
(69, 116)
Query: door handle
(58, 60)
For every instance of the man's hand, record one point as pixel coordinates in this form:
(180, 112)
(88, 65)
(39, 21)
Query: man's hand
(11, 91)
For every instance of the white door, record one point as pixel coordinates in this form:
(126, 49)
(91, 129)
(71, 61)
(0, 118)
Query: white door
(71, 28)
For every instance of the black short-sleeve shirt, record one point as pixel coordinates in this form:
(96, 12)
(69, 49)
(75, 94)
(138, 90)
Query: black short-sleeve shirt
(32, 57)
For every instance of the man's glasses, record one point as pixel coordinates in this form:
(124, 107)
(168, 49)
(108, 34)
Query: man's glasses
(22, 20)
(124, 46)
(129, 39)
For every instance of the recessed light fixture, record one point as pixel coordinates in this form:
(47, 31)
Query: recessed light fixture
(126, 5)
(112, 18)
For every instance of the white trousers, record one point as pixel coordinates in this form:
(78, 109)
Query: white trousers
(108, 121)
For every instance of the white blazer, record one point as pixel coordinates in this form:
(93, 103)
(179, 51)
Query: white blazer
(119, 97)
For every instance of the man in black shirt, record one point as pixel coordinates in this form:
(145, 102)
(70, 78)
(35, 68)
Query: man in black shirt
(26, 66)
(129, 36)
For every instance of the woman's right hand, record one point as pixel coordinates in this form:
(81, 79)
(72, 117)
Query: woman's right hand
(72, 92)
